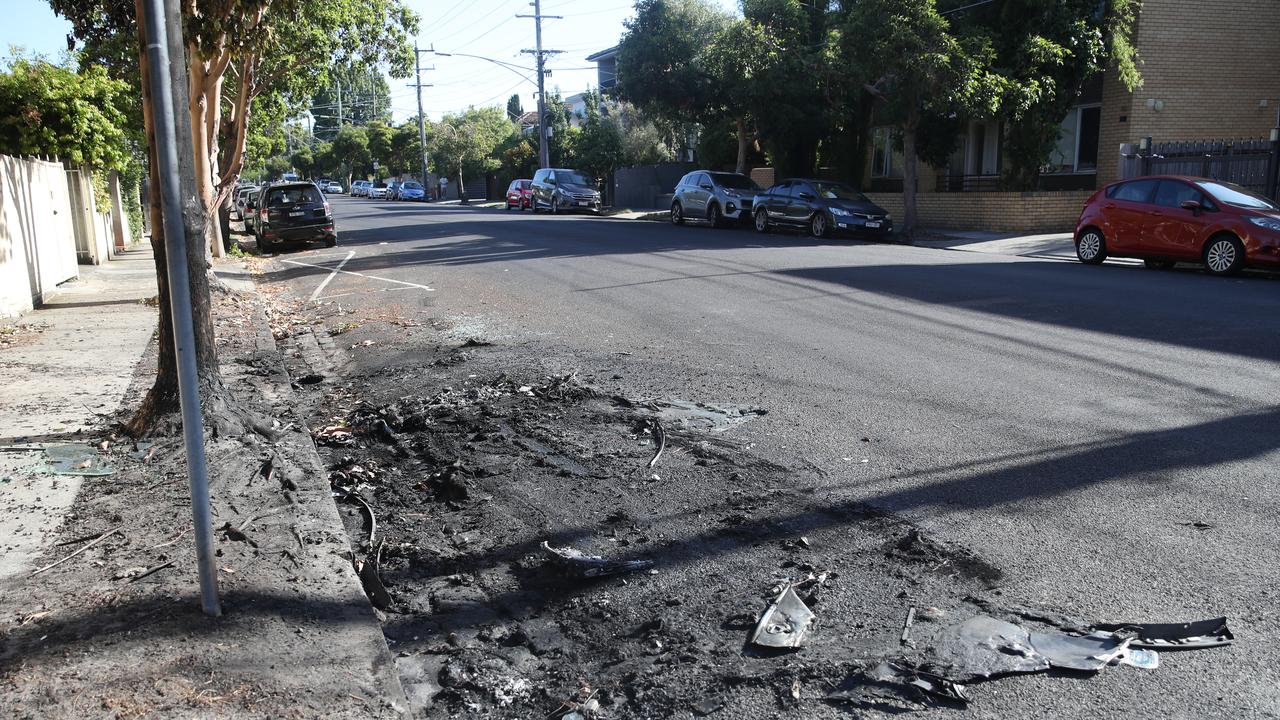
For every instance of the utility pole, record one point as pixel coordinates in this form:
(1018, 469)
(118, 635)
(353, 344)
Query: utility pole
(544, 149)
(339, 104)
(422, 123)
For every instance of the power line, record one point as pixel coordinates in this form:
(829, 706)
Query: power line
(544, 148)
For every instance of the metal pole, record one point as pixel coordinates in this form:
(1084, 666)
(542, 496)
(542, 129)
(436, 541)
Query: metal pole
(175, 238)
(422, 125)
(544, 148)
(1273, 165)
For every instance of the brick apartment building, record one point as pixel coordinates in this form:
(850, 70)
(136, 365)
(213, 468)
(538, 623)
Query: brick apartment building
(1210, 71)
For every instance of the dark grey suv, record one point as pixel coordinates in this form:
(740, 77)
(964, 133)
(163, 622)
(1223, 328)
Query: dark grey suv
(558, 189)
(717, 197)
(291, 212)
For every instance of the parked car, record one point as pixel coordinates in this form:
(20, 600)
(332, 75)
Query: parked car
(360, 188)
(718, 197)
(241, 198)
(333, 187)
(378, 190)
(393, 190)
(820, 206)
(323, 184)
(1169, 219)
(292, 212)
(412, 190)
(557, 189)
(520, 194)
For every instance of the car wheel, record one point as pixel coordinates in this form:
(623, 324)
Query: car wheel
(264, 245)
(1223, 255)
(818, 225)
(330, 242)
(762, 221)
(1091, 247)
(714, 216)
(1159, 264)
(507, 207)
(555, 205)
(677, 214)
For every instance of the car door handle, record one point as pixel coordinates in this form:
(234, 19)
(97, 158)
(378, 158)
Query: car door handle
(1109, 206)
(1157, 213)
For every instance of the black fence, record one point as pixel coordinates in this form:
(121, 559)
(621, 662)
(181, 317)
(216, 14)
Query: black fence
(1251, 163)
(647, 186)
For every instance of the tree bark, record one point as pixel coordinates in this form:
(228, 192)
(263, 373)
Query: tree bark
(741, 168)
(462, 191)
(162, 399)
(909, 158)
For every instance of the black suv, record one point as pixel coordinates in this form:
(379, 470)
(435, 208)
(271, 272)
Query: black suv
(557, 189)
(291, 212)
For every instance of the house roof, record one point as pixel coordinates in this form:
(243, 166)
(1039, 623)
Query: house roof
(603, 54)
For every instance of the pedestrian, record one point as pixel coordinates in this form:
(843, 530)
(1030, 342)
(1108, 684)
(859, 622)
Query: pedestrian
(444, 187)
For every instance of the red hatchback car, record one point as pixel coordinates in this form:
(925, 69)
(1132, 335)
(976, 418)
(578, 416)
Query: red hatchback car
(520, 194)
(1165, 220)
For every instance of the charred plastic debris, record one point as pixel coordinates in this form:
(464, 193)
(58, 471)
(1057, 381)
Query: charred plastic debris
(950, 659)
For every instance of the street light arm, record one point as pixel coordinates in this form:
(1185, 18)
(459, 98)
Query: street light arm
(509, 66)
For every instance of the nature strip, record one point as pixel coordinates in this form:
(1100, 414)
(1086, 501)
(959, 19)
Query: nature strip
(99, 539)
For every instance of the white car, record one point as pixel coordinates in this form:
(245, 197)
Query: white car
(378, 190)
(333, 187)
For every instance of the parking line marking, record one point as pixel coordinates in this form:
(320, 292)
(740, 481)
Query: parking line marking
(327, 280)
(335, 271)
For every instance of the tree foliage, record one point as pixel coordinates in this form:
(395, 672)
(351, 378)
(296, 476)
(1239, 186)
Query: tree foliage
(81, 116)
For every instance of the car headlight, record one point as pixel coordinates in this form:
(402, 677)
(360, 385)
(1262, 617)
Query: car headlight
(1269, 223)
(841, 212)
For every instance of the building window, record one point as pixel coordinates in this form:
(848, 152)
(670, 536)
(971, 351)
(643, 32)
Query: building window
(1077, 147)
(885, 161)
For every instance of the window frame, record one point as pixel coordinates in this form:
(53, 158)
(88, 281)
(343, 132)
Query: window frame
(1151, 194)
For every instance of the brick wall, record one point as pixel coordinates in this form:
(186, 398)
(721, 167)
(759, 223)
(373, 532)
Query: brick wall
(1019, 211)
(1210, 63)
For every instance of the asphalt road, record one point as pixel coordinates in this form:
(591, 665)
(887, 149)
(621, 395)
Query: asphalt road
(1070, 424)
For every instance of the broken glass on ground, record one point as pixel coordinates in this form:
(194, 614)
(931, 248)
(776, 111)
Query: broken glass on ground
(75, 460)
(785, 623)
(592, 566)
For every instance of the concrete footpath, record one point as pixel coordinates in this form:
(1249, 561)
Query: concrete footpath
(99, 610)
(69, 362)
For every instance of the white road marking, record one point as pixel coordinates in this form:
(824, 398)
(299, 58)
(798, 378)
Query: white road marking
(327, 280)
(335, 271)
(362, 292)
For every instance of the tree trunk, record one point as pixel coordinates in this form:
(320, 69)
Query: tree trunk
(462, 191)
(741, 168)
(162, 398)
(909, 129)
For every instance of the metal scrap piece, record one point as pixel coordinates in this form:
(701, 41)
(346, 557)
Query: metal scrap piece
(785, 623)
(593, 566)
(983, 647)
(1072, 652)
(898, 681)
(1173, 636)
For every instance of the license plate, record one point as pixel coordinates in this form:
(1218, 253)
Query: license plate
(583, 203)
(873, 223)
(296, 213)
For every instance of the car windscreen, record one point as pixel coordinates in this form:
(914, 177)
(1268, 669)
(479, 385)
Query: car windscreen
(1233, 194)
(734, 181)
(412, 186)
(294, 196)
(568, 178)
(380, 185)
(838, 191)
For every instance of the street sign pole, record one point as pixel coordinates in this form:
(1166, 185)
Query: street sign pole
(175, 238)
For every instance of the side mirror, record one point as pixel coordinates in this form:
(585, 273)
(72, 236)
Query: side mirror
(1192, 205)
(706, 186)
(806, 196)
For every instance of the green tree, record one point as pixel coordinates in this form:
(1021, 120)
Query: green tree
(406, 149)
(303, 162)
(514, 108)
(661, 54)
(380, 149)
(468, 142)
(349, 152)
(366, 98)
(78, 116)
(598, 149)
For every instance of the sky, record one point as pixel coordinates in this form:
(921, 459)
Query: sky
(488, 28)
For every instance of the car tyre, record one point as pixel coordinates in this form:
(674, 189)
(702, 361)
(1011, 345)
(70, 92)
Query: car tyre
(1159, 264)
(818, 225)
(1223, 255)
(330, 242)
(555, 205)
(677, 213)
(762, 221)
(265, 246)
(1091, 247)
(715, 216)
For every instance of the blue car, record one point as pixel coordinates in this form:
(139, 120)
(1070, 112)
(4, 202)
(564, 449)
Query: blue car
(411, 190)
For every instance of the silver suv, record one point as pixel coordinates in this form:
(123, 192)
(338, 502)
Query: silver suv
(718, 197)
(557, 189)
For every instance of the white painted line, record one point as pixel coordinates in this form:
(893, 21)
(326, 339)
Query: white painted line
(364, 292)
(348, 272)
(331, 276)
